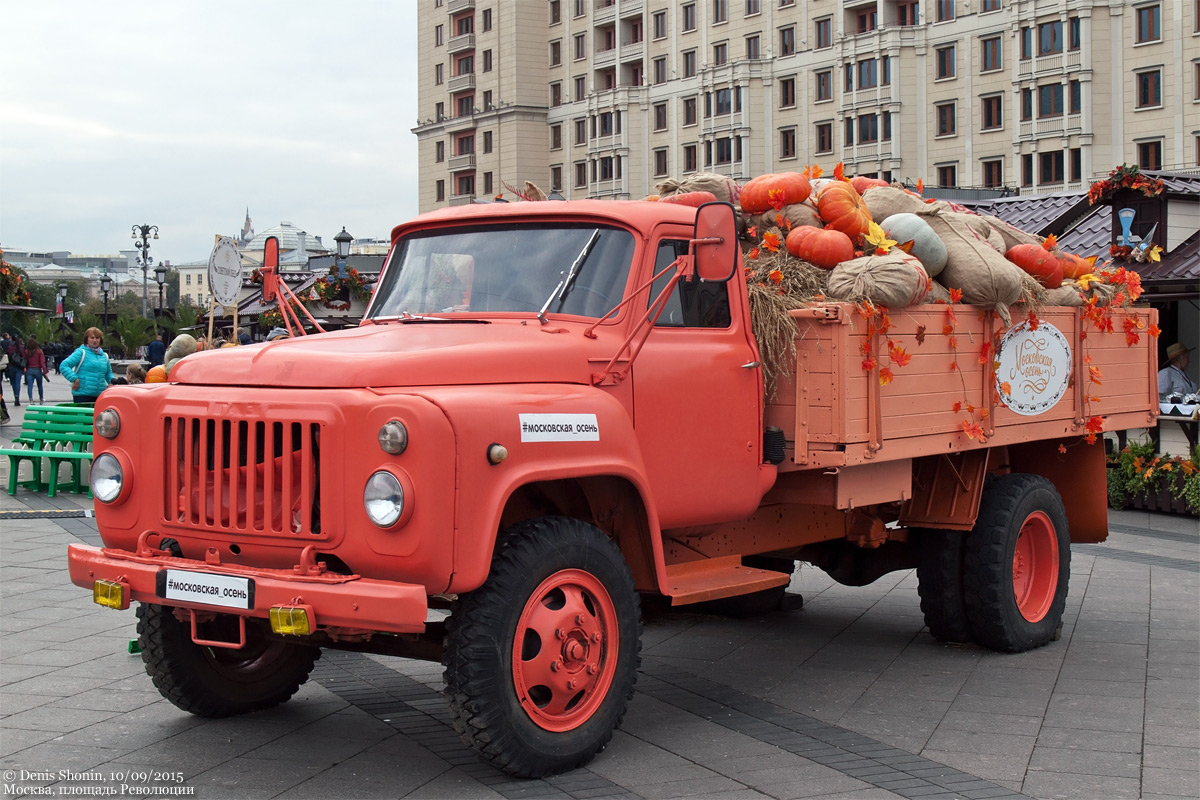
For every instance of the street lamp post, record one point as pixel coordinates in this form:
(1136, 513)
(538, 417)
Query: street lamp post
(62, 302)
(105, 286)
(343, 240)
(160, 277)
(144, 260)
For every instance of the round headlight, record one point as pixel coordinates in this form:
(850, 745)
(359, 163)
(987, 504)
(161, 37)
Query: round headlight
(383, 499)
(107, 478)
(108, 423)
(393, 437)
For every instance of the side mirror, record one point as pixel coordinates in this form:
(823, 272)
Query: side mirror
(715, 246)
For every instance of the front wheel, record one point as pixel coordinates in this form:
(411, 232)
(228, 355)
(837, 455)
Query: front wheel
(1017, 563)
(217, 681)
(541, 660)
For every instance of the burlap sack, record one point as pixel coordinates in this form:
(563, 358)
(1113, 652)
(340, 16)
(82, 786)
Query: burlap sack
(937, 293)
(797, 214)
(883, 201)
(985, 277)
(1066, 295)
(1011, 236)
(895, 280)
(977, 223)
(725, 189)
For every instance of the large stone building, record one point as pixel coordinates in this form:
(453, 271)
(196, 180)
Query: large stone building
(604, 98)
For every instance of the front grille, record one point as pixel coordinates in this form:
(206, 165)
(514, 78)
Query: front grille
(254, 477)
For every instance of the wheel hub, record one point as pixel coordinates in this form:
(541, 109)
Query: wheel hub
(1035, 566)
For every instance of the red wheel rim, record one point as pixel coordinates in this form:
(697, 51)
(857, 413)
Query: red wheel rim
(1035, 566)
(565, 650)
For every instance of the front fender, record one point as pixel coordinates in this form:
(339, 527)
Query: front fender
(548, 447)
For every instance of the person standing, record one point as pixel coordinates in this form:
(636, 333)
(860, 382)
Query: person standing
(156, 351)
(88, 368)
(16, 366)
(3, 369)
(35, 368)
(1173, 378)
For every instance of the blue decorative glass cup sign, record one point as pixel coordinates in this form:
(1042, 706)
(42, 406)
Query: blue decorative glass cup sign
(1035, 368)
(1126, 216)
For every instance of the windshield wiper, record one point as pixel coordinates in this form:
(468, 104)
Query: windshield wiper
(567, 279)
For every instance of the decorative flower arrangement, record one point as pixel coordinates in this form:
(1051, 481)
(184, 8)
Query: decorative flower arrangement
(1124, 177)
(12, 290)
(336, 293)
(1137, 471)
(1140, 255)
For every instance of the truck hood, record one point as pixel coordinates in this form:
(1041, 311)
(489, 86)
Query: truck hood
(399, 354)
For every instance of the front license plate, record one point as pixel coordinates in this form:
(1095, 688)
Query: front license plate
(204, 587)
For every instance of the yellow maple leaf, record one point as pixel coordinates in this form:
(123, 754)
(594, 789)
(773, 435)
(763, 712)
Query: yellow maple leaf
(878, 239)
(1155, 254)
(1087, 280)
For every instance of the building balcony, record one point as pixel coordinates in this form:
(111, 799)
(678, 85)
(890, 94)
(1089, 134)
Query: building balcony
(455, 6)
(461, 83)
(605, 58)
(632, 8)
(603, 11)
(633, 51)
(456, 124)
(461, 199)
(460, 44)
(462, 162)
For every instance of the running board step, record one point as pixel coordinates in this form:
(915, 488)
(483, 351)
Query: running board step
(714, 578)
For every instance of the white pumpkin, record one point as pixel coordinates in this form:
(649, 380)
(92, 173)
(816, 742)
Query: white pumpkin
(928, 248)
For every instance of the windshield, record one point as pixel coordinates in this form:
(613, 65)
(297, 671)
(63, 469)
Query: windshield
(506, 268)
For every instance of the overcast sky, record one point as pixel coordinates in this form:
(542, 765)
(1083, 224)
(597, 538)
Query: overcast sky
(182, 115)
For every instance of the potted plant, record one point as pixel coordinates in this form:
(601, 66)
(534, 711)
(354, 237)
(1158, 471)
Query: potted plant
(1140, 478)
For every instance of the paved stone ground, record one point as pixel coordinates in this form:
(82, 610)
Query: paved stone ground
(847, 698)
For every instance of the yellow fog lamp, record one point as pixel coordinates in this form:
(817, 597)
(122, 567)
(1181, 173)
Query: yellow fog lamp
(110, 594)
(291, 620)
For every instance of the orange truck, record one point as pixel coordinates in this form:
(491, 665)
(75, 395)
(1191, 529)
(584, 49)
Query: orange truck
(552, 409)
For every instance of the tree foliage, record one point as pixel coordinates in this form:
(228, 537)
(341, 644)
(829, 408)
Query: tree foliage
(130, 333)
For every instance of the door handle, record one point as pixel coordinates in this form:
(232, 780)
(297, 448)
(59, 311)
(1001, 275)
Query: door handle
(752, 365)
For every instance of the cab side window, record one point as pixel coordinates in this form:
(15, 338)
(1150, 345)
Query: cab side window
(693, 304)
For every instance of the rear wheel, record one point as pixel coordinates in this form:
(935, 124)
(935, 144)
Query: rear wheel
(541, 660)
(1017, 564)
(218, 681)
(940, 584)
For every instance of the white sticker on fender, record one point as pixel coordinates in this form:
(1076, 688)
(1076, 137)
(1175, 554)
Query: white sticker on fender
(559, 428)
(203, 587)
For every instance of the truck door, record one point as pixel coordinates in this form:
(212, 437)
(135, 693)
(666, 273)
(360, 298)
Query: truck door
(698, 403)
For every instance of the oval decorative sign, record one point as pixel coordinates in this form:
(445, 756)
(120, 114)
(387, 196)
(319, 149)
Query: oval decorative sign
(225, 271)
(1035, 368)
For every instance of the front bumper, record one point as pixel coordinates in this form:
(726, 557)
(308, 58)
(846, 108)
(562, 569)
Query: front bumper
(338, 602)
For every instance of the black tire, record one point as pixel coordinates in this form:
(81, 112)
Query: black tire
(540, 711)
(1017, 564)
(754, 604)
(215, 681)
(940, 584)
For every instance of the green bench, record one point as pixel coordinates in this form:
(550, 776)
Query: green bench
(58, 435)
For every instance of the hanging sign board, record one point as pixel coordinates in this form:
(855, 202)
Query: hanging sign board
(1035, 368)
(225, 272)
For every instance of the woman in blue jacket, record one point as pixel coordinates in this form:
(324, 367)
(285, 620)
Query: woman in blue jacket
(87, 368)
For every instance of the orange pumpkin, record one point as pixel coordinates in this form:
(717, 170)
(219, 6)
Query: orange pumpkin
(843, 209)
(694, 199)
(821, 247)
(861, 183)
(1038, 262)
(1075, 266)
(790, 187)
(156, 375)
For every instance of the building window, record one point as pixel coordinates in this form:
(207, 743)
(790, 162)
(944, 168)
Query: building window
(555, 178)
(990, 5)
(868, 76)
(556, 94)
(824, 32)
(720, 10)
(993, 57)
(464, 184)
(487, 19)
(660, 117)
(1076, 164)
(1149, 24)
(581, 175)
(439, 111)
(439, 74)
(689, 17)
(947, 175)
(659, 21)
(660, 70)
(724, 150)
(1050, 167)
(660, 163)
(752, 49)
(886, 80)
(787, 143)
(580, 87)
(866, 20)
(887, 126)
(787, 41)
(753, 7)
(464, 145)
(824, 137)
(1149, 89)
(555, 12)
(488, 186)
(868, 129)
(610, 78)
(1150, 155)
(607, 170)
(188, 278)
(465, 105)
(787, 92)
(944, 13)
(1050, 40)
(1074, 34)
(848, 81)
(824, 87)
(580, 7)
(947, 124)
(1027, 170)
(580, 46)
(464, 65)
(689, 158)
(689, 111)
(1050, 101)
(720, 53)
(907, 12)
(464, 25)
(945, 62)
(439, 36)
(993, 174)
(555, 53)
(439, 192)
(555, 138)
(849, 131)
(580, 131)
(992, 112)
(689, 64)
(439, 151)
(487, 60)
(1075, 92)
